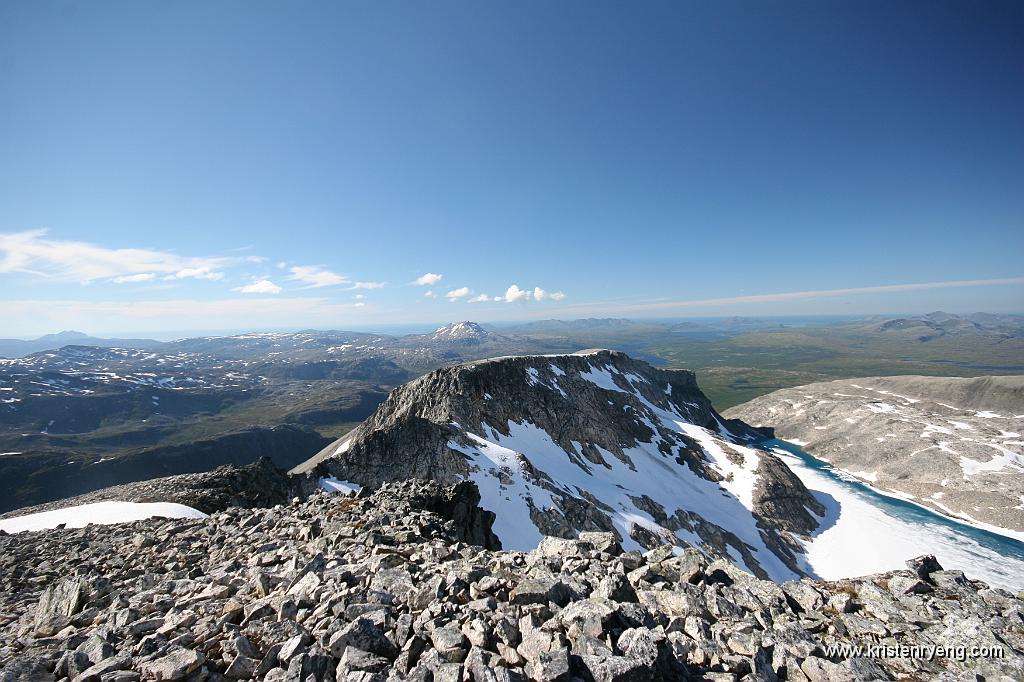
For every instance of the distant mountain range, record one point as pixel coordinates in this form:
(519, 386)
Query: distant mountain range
(926, 327)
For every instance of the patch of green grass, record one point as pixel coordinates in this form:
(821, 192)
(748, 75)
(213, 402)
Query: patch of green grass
(737, 369)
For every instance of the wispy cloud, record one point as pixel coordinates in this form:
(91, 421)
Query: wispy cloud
(129, 279)
(662, 306)
(314, 276)
(262, 286)
(830, 293)
(32, 252)
(430, 294)
(456, 294)
(204, 272)
(41, 316)
(428, 279)
(479, 298)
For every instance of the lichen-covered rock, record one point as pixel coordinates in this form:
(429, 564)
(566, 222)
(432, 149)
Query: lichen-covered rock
(56, 606)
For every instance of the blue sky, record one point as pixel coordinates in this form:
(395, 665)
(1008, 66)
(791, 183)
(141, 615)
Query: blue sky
(169, 166)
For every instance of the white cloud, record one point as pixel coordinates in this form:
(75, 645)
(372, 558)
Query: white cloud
(541, 295)
(359, 297)
(196, 273)
(368, 285)
(514, 294)
(481, 298)
(315, 277)
(456, 294)
(263, 286)
(428, 279)
(31, 252)
(129, 279)
(430, 294)
(360, 304)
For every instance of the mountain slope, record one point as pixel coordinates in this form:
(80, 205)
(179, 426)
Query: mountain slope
(588, 441)
(952, 444)
(38, 479)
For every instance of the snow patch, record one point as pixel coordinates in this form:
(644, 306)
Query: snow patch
(336, 485)
(102, 513)
(602, 377)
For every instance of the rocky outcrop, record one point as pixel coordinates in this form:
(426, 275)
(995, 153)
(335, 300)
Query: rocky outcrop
(954, 445)
(379, 588)
(260, 484)
(590, 441)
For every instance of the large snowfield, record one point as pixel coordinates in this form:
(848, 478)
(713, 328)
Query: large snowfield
(103, 513)
(860, 536)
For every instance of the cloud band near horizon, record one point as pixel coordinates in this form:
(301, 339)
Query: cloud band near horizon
(796, 295)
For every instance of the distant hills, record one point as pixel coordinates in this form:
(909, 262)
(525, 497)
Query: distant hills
(16, 348)
(939, 324)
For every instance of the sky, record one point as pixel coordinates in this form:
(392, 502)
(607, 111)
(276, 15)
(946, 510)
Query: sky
(268, 165)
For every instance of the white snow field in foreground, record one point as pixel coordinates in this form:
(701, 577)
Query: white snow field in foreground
(867, 539)
(104, 513)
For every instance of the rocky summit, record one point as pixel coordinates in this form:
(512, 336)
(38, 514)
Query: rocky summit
(397, 585)
(590, 441)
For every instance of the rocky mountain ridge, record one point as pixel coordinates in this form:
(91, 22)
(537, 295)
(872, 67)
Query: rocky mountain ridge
(387, 587)
(591, 441)
(34, 480)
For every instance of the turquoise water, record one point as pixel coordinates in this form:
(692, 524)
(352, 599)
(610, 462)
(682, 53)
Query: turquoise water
(906, 511)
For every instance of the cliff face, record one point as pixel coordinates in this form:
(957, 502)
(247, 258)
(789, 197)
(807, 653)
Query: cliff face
(593, 441)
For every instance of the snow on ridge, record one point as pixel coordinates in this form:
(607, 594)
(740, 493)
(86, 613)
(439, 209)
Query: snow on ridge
(102, 513)
(602, 377)
(497, 469)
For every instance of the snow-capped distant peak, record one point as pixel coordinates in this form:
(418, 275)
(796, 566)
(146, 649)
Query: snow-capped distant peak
(459, 331)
